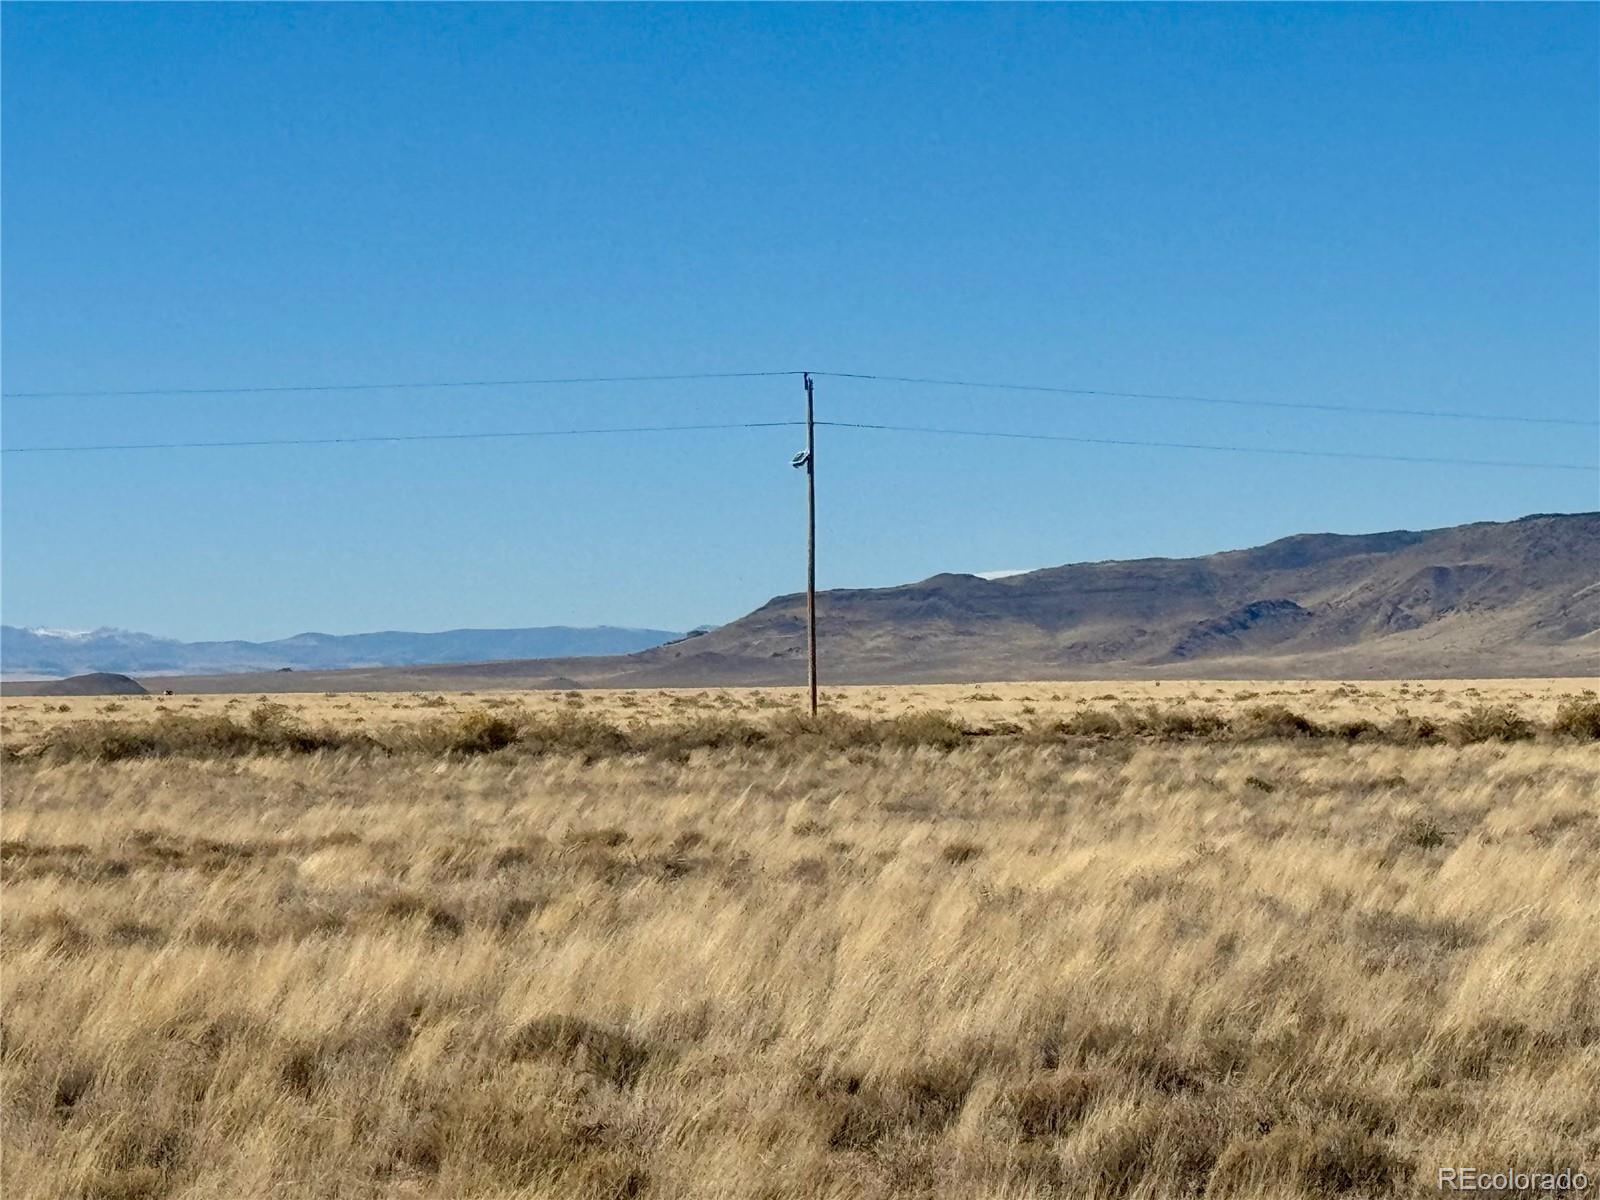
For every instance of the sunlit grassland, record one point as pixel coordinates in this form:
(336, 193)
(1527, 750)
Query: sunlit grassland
(1024, 960)
(1536, 699)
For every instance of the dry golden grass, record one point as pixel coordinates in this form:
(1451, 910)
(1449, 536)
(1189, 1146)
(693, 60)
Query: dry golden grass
(1440, 700)
(1000, 967)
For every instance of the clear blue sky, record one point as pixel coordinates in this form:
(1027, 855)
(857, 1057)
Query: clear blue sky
(1368, 205)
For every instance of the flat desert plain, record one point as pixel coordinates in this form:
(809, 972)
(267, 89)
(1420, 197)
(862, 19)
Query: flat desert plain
(996, 941)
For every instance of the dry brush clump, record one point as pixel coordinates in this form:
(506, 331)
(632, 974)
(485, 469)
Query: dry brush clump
(567, 957)
(1577, 718)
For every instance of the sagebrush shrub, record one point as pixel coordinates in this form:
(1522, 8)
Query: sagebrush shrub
(1091, 722)
(1172, 724)
(1409, 730)
(1492, 723)
(1275, 721)
(1577, 719)
(483, 732)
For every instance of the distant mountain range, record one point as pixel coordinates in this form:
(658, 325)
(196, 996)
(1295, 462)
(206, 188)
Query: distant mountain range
(55, 653)
(1490, 599)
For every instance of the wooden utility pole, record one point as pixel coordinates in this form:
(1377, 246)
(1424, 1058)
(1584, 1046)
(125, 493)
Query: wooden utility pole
(811, 546)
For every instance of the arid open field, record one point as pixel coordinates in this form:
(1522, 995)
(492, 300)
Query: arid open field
(997, 941)
(1440, 700)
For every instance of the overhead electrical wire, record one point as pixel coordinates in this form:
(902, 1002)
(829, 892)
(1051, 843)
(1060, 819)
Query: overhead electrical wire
(390, 387)
(925, 381)
(1278, 450)
(920, 381)
(1309, 406)
(399, 437)
(859, 425)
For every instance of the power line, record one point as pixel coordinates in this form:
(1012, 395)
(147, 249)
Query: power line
(372, 439)
(926, 381)
(1441, 414)
(397, 437)
(387, 387)
(1298, 453)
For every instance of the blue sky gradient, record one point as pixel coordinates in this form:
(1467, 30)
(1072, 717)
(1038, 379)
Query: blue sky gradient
(1364, 205)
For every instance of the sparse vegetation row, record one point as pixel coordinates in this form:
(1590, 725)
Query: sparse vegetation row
(270, 729)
